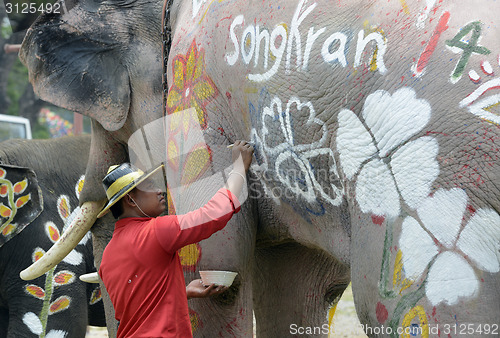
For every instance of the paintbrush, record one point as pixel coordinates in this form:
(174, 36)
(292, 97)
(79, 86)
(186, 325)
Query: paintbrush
(231, 145)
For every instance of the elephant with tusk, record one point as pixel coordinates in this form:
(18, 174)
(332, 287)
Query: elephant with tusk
(376, 130)
(40, 181)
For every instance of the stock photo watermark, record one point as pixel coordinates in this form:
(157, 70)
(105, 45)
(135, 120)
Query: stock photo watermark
(414, 330)
(22, 14)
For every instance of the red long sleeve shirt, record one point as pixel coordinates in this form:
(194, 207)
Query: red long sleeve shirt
(142, 272)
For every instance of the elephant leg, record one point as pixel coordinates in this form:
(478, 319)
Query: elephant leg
(101, 235)
(4, 321)
(295, 288)
(231, 249)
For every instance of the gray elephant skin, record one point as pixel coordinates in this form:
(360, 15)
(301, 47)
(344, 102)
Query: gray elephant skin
(47, 174)
(376, 129)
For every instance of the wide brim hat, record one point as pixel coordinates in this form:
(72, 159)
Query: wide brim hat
(120, 180)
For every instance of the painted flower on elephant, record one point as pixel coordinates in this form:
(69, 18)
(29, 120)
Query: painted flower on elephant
(447, 248)
(192, 87)
(377, 150)
(37, 323)
(280, 148)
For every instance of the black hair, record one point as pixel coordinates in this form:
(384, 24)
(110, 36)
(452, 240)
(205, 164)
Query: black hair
(117, 209)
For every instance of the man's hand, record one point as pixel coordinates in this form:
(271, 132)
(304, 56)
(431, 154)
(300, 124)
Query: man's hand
(196, 289)
(245, 150)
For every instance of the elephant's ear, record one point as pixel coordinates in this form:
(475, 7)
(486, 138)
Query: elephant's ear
(78, 72)
(20, 200)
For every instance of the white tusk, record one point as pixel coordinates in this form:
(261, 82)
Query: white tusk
(68, 241)
(90, 278)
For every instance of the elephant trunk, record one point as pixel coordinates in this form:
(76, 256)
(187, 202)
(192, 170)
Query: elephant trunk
(68, 241)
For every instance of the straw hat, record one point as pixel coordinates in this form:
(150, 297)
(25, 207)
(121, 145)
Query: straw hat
(120, 180)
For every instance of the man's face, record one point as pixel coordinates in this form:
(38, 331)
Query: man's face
(150, 198)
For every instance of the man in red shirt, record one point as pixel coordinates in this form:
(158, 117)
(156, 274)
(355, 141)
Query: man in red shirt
(140, 266)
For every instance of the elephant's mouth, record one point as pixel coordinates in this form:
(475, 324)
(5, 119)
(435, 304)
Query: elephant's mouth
(68, 241)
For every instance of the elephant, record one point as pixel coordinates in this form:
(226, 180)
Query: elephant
(40, 181)
(376, 133)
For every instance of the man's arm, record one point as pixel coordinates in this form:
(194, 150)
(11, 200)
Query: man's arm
(242, 158)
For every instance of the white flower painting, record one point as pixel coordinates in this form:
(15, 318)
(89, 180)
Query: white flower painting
(388, 164)
(442, 245)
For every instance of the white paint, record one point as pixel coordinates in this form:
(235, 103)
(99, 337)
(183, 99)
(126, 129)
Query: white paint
(286, 126)
(32, 321)
(196, 6)
(381, 45)
(288, 38)
(422, 17)
(311, 38)
(278, 33)
(473, 75)
(442, 214)
(56, 334)
(249, 32)
(339, 54)
(286, 149)
(450, 278)
(480, 108)
(262, 35)
(73, 258)
(414, 178)
(231, 58)
(480, 240)
(417, 247)
(294, 34)
(486, 67)
(354, 143)
(394, 119)
(376, 191)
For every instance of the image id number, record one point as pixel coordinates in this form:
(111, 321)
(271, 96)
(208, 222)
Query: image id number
(471, 329)
(31, 8)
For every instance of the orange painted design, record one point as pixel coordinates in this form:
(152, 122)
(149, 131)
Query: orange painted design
(9, 229)
(63, 207)
(4, 189)
(195, 320)
(60, 304)
(5, 211)
(21, 201)
(79, 186)
(19, 187)
(96, 296)
(53, 233)
(170, 202)
(197, 161)
(192, 87)
(36, 291)
(37, 255)
(173, 154)
(2, 173)
(190, 256)
(64, 277)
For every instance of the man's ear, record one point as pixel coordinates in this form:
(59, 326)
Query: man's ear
(129, 201)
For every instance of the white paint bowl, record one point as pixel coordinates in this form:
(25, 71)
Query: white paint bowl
(224, 278)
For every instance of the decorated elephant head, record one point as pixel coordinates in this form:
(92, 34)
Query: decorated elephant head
(37, 203)
(376, 130)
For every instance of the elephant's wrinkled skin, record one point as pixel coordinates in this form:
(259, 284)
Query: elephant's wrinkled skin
(376, 128)
(57, 304)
